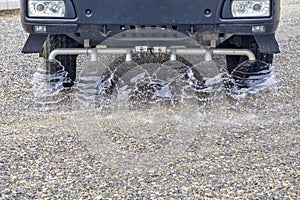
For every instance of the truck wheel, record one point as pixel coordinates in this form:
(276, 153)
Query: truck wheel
(244, 42)
(67, 62)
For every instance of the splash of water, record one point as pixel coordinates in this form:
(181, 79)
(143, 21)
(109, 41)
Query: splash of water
(143, 120)
(139, 117)
(255, 85)
(48, 88)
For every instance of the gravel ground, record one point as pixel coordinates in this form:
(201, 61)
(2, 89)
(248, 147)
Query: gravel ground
(254, 151)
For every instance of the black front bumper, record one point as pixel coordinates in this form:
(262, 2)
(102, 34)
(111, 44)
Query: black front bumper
(90, 18)
(149, 13)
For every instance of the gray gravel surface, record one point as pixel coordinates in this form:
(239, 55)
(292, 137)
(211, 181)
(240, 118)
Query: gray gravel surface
(254, 151)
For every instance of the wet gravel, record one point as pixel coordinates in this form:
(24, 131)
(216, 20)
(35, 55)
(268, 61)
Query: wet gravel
(254, 151)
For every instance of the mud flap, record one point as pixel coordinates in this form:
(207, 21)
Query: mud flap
(34, 44)
(267, 43)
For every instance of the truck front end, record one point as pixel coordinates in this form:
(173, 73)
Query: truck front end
(241, 30)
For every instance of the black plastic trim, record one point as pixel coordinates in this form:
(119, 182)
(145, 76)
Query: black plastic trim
(267, 43)
(34, 43)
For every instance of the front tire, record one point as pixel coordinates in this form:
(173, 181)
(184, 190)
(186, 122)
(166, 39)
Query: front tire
(67, 62)
(244, 42)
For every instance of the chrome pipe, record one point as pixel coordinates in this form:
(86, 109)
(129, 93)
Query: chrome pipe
(93, 52)
(208, 53)
(235, 52)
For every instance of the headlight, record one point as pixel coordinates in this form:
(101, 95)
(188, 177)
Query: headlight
(250, 8)
(43, 8)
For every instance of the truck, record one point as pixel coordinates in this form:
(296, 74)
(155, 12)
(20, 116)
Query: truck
(241, 30)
